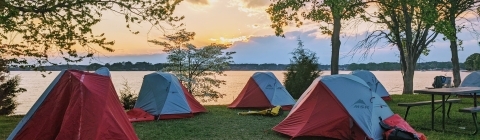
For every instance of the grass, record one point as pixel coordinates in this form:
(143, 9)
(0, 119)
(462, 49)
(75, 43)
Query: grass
(7, 124)
(223, 123)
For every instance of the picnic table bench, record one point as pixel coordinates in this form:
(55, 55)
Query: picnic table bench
(453, 91)
(474, 111)
(422, 103)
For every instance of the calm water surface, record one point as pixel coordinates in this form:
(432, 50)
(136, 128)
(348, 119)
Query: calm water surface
(236, 80)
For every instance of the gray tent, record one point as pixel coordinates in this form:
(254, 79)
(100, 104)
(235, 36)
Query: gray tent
(163, 95)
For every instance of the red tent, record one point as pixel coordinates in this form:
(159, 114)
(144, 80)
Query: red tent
(263, 90)
(339, 107)
(76, 105)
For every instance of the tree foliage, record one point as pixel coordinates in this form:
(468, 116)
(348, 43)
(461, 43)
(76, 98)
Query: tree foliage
(9, 87)
(196, 68)
(8, 92)
(301, 72)
(38, 29)
(408, 25)
(128, 98)
(328, 13)
(452, 11)
(472, 63)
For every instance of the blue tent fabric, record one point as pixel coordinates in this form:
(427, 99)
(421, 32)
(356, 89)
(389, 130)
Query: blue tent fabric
(273, 89)
(161, 93)
(103, 71)
(363, 105)
(471, 80)
(372, 82)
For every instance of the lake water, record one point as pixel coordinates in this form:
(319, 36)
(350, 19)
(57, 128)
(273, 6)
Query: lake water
(236, 80)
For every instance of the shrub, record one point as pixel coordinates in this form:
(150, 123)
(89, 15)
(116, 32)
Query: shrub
(301, 72)
(8, 92)
(128, 96)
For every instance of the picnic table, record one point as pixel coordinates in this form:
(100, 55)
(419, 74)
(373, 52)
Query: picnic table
(451, 91)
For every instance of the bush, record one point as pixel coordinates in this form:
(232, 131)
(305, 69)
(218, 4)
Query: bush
(8, 91)
(301, 72)
(128, 96)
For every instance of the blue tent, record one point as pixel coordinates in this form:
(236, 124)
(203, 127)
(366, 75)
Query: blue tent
(471, 80)
(163, 95)
(263, 90)
(373, 83)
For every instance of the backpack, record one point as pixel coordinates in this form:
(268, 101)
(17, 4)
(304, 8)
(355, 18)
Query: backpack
(438, 81)
(398, 129)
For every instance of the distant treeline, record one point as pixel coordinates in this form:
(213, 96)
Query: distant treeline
(393, 66)
(145, 66)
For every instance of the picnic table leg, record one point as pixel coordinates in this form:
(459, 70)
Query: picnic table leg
(443, 112)
(475, 99)
(433, 111)
(475, 114)
(475, 103)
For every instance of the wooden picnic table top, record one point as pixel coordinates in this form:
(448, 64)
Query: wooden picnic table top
(449, 91)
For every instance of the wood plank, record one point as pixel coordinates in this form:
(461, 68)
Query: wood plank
(428, 102)
(470, 109)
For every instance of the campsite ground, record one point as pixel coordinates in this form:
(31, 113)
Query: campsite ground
(223, 123)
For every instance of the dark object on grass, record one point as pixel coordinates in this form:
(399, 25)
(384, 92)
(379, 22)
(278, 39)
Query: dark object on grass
(276, 111)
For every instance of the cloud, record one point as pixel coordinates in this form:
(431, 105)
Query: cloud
(255, 3)
(273, 49)
(225, 40)
(199, 2)
(199, 6)
(252, 7)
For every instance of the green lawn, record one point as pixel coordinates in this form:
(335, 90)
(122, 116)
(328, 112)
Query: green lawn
(223, 123)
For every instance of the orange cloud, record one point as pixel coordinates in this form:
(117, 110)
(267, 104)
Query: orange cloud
(225, 40)
(199, 2)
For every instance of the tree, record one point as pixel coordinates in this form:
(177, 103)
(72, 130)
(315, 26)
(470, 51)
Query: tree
(65, 26)
(8, 89)
(94, 66)
(329, 13)
(451, 11)
(8, 92)
(128, 65)
(195, 67)
(472, 63)
(405, 24)
(128, 98)
(301, 72)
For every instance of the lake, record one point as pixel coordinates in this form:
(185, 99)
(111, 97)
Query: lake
(236, 80)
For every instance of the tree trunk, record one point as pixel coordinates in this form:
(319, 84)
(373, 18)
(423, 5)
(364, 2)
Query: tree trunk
(335, 46)
(453, 45)
(455, 63)
(408, 75)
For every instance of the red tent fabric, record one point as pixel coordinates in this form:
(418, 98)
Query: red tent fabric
(332, 120)
(139, 115)
(399, 122)
(80, 105)
(387, 98)
(251, 96)
(195, 106)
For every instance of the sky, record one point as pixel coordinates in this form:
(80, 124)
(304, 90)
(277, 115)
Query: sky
(246, 25)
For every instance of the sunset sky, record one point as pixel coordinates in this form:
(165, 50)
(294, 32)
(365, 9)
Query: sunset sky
(246, 24)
